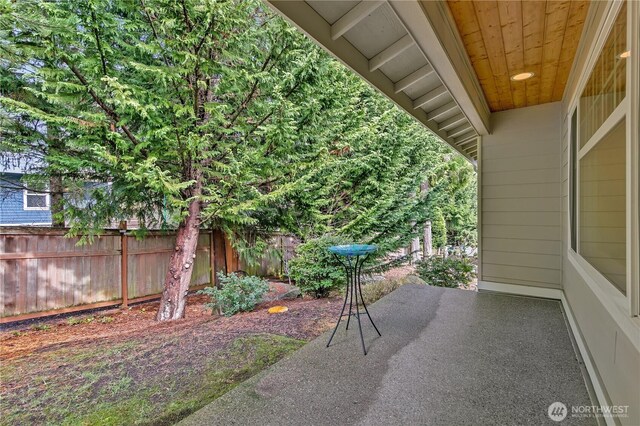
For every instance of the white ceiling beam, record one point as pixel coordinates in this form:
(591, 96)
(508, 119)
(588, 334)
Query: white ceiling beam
(465, 137)
(390, 52)
(431, 96)
(467, 142)
(452, 122)
(352, 17)
(459, 130)
(413, 78)
(444, 109)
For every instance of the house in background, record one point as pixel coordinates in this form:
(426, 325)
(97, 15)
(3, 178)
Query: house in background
(543, 96)
(20, 206)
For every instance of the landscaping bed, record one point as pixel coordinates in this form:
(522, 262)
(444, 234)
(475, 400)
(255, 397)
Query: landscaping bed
(122, 367)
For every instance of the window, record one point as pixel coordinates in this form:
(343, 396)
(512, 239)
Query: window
(603, 229)
(598, 142)
(35, 200)
(573, 164)
(607, 83)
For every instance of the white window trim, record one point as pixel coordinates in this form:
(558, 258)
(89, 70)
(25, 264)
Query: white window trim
(26, 192)
(622, 307)
(633, 162)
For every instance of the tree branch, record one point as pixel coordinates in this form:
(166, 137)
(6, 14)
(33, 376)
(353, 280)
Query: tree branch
(98, 43)
(103, 105)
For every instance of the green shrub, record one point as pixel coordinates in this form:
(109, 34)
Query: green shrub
(314, 269)
(236, 294)
(446, 272)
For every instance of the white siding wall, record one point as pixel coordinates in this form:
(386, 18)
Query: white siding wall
(521, 197)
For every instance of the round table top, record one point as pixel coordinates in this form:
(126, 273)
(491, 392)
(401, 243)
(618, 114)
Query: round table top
(353, 249)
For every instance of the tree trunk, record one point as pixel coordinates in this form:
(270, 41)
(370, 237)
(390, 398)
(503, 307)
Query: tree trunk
(57, 199)
(428, 245)
(427, 248)
(176, 283)
(415, 249)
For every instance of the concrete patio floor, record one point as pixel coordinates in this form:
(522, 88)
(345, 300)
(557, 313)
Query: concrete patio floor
(446, 357)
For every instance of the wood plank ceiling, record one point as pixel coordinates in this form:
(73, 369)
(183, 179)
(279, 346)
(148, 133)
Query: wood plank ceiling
(504, 38)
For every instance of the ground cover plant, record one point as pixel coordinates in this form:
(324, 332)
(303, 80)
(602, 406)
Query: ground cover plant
(235, 293)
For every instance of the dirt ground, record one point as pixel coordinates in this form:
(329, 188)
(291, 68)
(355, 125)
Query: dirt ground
(122, 367)
(305, 319)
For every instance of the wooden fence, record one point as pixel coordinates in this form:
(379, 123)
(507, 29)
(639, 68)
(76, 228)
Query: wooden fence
(44, 273)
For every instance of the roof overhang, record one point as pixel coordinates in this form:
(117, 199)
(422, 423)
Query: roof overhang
(408, 50)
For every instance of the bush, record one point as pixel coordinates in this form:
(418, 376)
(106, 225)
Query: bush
(236, 294)
(446, 272)
(314, 269)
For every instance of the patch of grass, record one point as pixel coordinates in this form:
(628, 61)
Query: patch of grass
(120, 348)
(120, 385)
(106, 320)
(166, 403)
(80, 320)
(41, 327)
(128, 412)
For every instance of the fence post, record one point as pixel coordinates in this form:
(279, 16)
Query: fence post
(124, 264)
(212, 260)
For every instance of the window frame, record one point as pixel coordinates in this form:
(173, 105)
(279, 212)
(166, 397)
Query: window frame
(629, 304)
(25, 207)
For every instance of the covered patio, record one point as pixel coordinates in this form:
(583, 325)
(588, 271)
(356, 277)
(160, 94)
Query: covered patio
(542, 97)
(445, 357)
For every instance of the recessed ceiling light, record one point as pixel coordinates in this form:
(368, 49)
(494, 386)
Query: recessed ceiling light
(522, 76)
(625, 55)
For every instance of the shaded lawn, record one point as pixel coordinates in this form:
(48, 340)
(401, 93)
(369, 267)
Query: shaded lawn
(156, 375)
(127, 385)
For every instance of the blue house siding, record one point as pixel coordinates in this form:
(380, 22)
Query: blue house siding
(12, 210)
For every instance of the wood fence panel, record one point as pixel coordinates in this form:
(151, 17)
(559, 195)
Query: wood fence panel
(148, 261)
(42, 271)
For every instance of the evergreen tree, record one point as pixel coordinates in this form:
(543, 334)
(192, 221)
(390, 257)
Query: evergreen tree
(189, 106)
(221, 115)
(439, 227)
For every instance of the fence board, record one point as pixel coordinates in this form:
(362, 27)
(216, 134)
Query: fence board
(42, 272)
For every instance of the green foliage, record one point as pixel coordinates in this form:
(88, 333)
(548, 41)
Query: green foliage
(236, 294)
(218, 103)
(81, 320)
(446, 272)
(438, 229)
(149, 110)
(41, 327)
(453, 193)
(314, 269)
